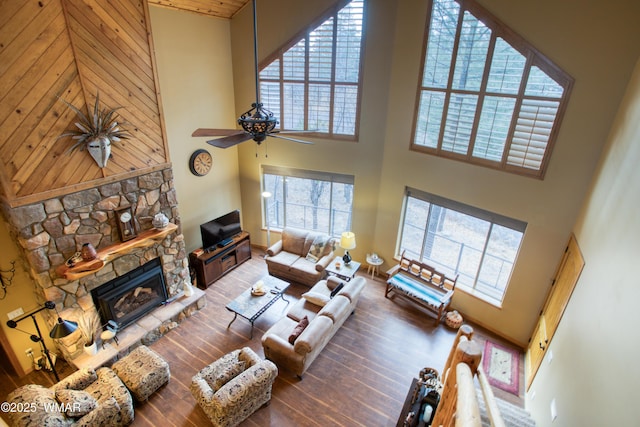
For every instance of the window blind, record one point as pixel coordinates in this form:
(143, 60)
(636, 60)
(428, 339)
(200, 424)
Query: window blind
(307, 174)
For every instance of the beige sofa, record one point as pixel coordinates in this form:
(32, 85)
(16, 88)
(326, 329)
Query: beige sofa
(324, 322)
(300, 256)
(84, 398)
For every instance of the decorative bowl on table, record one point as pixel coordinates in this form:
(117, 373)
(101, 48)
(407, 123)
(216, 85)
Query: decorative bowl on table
(258, 289)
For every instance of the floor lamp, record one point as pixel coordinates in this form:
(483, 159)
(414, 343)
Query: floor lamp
(61, 329)
(267, 195)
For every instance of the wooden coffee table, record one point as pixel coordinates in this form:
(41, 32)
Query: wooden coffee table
(252, 306)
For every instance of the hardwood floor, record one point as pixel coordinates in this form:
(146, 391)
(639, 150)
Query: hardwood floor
(361, 378)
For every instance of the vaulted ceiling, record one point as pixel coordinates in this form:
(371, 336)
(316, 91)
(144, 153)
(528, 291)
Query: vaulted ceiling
(73, 50)
(220, 8)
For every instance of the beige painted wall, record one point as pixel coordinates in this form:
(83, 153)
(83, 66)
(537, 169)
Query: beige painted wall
(21, 294)
(593, 374)
(549, 206)
(362, 159)
(580, 41)
(193, 53)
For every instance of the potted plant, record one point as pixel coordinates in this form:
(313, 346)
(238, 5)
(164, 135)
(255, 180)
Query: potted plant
(96, 131)
(89, 325)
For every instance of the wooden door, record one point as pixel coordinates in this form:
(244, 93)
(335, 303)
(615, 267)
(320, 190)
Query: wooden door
(561, 289)
(8, 358)
(537, 347)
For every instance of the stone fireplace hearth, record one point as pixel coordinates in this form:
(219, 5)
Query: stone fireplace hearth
(51, 231)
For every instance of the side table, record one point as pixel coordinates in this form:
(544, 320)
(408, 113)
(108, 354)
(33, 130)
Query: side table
(374, 262)
(346, 272)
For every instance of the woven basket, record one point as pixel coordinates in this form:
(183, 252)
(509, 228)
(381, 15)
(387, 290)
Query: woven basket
(453, 319)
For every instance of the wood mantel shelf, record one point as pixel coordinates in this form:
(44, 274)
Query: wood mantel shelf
(145, 239)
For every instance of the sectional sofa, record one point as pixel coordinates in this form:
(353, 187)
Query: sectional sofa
(325, 314)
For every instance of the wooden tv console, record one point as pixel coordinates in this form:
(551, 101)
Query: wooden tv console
(213, 264)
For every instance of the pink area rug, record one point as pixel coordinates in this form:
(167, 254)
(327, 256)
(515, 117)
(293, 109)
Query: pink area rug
(502, 366)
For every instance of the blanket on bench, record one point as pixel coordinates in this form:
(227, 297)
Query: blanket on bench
(414, 287)
(422, 284)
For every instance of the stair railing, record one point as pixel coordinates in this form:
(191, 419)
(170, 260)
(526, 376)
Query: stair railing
(458, 403)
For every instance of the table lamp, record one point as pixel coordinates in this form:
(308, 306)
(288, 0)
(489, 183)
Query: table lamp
(347, 241)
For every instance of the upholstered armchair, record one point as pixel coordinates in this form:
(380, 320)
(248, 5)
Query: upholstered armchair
(233, 387)
(84, 398)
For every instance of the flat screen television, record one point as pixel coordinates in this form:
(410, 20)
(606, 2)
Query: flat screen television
(219, 231)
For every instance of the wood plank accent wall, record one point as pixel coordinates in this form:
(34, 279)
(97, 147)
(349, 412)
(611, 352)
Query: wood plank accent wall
(74, 49)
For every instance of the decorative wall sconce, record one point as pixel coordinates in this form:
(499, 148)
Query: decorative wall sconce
(6, 278)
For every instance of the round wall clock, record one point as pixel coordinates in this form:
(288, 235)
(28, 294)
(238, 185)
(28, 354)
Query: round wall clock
(200, 162)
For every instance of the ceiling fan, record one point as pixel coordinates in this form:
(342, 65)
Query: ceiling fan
(258, 123)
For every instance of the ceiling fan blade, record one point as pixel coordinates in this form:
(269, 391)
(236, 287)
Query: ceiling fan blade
(231, 140)
(301, 141)
(215, 132)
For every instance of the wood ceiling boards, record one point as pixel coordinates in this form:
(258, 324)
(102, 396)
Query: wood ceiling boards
(219, 8)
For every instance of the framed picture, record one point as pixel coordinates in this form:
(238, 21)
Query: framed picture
(126, 223)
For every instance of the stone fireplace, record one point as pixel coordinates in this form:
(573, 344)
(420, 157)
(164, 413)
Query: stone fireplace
(51, 231)
(127, 298)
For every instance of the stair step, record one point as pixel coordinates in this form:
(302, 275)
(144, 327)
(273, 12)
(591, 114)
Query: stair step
(512, 415)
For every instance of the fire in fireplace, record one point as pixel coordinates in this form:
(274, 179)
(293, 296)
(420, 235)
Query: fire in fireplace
(127, 298)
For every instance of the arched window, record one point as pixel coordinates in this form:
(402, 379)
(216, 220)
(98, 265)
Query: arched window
(486, 96)
(313, 83)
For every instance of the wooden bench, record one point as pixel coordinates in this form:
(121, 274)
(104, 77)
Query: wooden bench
(422, 284)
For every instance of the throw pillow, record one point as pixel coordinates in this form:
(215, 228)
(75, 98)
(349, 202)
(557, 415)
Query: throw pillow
(211, 372)
(316, 298)
(330, 246)
(337, 289)
(334, 244)
(227, 374)
(103, 417)
(302, 324)
(317, 248)
(76, 403)
(79, 380)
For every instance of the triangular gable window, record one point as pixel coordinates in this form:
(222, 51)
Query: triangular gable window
(313, 83)
(487, 96)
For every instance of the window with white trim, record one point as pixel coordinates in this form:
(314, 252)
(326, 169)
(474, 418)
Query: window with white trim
(311, 200)
(486, 96)
(313, 83)
(479, 245)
